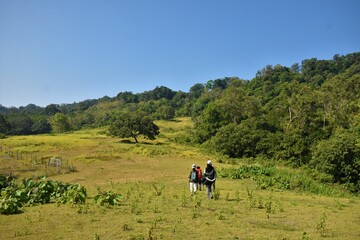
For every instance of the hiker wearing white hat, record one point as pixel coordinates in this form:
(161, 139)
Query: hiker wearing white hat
(193, 179)
(209, 178)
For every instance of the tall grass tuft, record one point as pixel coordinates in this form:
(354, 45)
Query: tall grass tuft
(216, 194)
(158, 189)
(321, 225)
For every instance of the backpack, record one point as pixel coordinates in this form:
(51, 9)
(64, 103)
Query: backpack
(199, 172)
(193, 176)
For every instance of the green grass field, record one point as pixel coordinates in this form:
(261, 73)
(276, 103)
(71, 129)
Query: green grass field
(157, 204)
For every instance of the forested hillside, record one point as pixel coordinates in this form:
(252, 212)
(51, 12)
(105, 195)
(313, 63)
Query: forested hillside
(306, 115)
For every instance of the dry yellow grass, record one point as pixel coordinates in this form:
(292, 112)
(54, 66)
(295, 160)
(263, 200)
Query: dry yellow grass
(134, 169)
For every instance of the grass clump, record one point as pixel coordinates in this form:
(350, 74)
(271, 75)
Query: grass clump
(321, 225)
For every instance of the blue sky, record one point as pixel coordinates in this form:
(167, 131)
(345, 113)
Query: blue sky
(65, 51)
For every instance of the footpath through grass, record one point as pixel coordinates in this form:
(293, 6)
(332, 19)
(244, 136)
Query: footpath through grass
(155, 202)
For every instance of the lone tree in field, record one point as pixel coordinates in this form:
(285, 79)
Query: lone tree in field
(127, 125)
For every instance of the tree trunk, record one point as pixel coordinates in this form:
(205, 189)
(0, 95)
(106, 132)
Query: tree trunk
(291, 118)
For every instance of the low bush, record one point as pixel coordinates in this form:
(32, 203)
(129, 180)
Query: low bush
(5, 181)
(37, 191)
(74, 194)
(108, 198)
(270, 177)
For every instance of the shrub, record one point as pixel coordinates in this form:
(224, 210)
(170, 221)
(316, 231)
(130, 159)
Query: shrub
(268, 177)
(38, 191)
(74, 194)
(5, 181)
(10, 205)
(339, 156)
(108, 198)
(32, 191)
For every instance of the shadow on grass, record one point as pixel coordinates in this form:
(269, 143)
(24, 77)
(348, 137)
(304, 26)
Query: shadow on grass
(127, 141)
(174, 120)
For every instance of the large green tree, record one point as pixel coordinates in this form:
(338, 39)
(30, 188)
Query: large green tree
(126, 125)
(20, 124)
(339, 156)
(4, 125)
(60, 123)
(41, 126)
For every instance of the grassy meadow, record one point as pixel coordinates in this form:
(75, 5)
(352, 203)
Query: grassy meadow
(152, 177)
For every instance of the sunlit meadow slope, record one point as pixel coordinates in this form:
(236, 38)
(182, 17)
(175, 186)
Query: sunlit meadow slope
(156, 204)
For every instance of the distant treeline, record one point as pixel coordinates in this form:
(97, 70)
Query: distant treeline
(306, 114)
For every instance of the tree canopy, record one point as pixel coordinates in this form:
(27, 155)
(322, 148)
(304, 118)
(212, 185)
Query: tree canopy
(132, 125)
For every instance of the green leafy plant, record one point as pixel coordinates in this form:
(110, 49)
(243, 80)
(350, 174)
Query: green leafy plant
(269, 207)
(250, 198)
(10, 205)
(60, 190)
(70, 193)
(321, 225)
(39, 191)
(5, 181)
(108, 198)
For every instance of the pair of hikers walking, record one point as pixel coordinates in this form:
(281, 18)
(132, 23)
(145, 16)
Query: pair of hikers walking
(197, 178)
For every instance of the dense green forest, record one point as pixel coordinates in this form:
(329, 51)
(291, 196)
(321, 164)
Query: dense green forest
(307, 115)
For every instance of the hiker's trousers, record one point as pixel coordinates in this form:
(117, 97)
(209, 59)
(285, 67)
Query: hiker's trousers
(193, 187)
(208, 191)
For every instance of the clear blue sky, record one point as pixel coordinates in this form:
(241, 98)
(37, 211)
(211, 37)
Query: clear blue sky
(65, 51)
